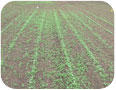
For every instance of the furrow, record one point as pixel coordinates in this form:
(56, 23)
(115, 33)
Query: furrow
(107, 30)
(90, 28)
(68, 62)
(11, 23)
(34, 69)
(12, 43)
(98, 67)
(100, 18)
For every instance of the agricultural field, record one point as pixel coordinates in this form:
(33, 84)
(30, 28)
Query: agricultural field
(57, 45)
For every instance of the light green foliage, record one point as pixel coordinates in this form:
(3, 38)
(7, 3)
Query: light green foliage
(22, 85)
(2, 62)
(69, 64)
(32, 83)
(34, 70)
(28, 41)
(20, 64)
(100, 18)
(15, 84)
(107, 30)
(111, 68)
(90, 54)
(13, 42)
(62, 65)
(89, 28)
(10, 66)
(15, 72)
(42, 83)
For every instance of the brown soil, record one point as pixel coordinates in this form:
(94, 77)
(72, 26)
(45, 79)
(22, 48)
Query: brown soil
(50, 48)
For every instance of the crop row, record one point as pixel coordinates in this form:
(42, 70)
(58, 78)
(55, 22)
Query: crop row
(49, 40)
